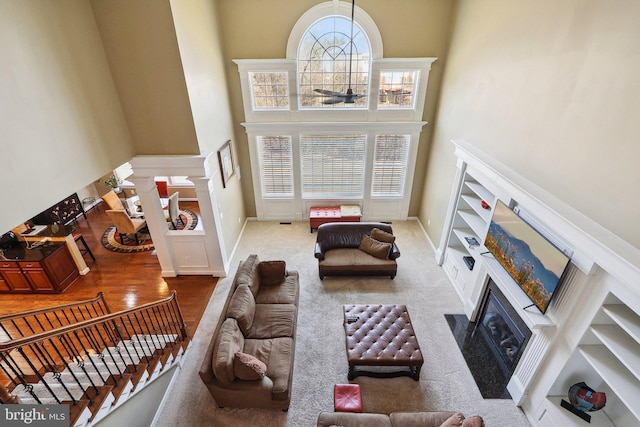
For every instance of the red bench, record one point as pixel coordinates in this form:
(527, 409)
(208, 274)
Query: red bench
(319, 215)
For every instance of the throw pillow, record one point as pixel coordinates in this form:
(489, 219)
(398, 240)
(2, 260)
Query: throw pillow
(454, 420)
(242, 307)
(382, 236)
(475, 421)
(373, 247)
(248, 367)
(272, 272)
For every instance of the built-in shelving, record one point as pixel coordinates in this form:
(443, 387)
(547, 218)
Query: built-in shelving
(610, 353)
(615, 374)
(471, 219)
(591, 332)
(563, 418)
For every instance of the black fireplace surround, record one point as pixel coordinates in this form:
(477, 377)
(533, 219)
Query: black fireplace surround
(493, 344)
(504, 331)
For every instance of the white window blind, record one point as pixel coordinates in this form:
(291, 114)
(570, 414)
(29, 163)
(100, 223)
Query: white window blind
(276, 165)
(332, 165)
(389, 165)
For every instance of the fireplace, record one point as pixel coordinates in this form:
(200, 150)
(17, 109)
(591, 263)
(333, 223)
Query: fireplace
(504, 332)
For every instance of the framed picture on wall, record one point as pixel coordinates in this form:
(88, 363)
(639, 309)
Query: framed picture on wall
(225, 159)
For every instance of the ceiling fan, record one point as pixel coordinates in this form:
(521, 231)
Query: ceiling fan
(347, 97)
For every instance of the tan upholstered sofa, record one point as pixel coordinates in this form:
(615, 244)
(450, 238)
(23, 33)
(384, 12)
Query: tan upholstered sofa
(339, 250)
(399, 419)
(396, 419)
(249, 361)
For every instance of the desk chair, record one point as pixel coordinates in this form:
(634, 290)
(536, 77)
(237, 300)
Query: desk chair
(112, 201)
(125, 224)
(172, 213)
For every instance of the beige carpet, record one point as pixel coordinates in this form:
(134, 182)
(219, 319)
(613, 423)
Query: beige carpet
(320, 360)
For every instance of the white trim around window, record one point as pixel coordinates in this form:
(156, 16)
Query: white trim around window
(375, 205)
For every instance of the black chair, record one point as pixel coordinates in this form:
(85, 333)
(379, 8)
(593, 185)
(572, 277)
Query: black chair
(86, 250)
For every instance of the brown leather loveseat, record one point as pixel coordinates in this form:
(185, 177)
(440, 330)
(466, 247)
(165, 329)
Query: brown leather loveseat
(346, 249)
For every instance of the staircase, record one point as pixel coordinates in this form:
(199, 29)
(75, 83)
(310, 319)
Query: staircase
(83, 355)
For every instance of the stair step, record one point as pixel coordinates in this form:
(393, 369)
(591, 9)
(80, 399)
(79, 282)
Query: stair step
(98, 398)
(138, 373)
(127, 367)
(122, 386)
(76, 411)
(43, 392)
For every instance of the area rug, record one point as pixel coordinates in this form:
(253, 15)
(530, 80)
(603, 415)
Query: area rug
(320, 353)
(111, 240)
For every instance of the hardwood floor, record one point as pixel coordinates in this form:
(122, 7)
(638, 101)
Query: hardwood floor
(127, 279)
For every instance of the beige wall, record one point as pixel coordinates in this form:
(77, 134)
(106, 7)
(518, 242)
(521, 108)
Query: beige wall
(257, 29)
(198, 38)
(62, 124)
(89, 84)
(550, 89)
(140, 41)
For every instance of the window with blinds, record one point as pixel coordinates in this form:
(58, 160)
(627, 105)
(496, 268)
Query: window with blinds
(389, 165)
(276, 165)
(332, 166)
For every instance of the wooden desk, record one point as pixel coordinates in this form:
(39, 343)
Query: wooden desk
(134, 207)
(319, 215)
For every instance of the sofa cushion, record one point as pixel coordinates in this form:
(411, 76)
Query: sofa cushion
(273, 321)
(475, 421)
(242, 307)
(374, 247)
(354, 259)
(382, 236)
(285, 293)
(229, 341)
(272, 272)
(419, 419)
(247, 274)
(248, 367)
(277, 354)
(348, 419)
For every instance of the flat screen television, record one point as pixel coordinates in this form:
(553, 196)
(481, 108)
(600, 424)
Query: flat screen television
(535, 264)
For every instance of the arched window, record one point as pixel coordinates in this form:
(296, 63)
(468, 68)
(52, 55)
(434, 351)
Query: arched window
(334, 56)
(307, 149)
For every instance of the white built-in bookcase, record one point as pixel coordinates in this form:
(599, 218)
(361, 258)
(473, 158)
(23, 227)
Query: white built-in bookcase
(591, 331)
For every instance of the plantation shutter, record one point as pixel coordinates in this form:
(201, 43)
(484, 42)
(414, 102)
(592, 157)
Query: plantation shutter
(389, 165)
(276, 165)
(332, 165)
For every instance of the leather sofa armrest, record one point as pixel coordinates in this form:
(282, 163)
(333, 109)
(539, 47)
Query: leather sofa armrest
(394, 253)
(319, 253)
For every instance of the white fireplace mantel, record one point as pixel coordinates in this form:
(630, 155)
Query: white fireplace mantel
(567, 344)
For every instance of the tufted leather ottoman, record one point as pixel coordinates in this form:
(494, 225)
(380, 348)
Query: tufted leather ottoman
(381, 336)
(347, 398)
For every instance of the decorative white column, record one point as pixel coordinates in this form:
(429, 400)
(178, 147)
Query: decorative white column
(156, 222)
(195, 252)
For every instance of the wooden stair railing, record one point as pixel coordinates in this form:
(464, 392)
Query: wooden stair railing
(86, 362)
(25, 323)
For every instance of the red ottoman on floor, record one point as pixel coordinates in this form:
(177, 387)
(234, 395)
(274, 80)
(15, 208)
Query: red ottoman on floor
(347, 398)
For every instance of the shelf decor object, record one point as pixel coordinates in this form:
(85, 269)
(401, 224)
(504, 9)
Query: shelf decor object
(584, 399)
(225, 159)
